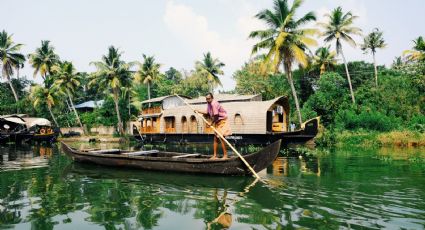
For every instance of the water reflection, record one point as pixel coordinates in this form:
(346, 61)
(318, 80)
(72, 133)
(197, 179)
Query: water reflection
(24, 157)
(286, 166)
(340, 189)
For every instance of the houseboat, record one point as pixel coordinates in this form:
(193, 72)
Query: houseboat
(252, 120)
(21, 127)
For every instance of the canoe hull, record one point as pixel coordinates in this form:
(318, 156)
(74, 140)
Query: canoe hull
(231, 166)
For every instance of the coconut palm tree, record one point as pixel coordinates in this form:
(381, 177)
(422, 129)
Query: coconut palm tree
(10, 59)
(212, 68)
(418, 51)
(372, 42)
(43, 59)
(284, 39)
(49, 96)
(113, 74)
(340, 28)
(397, 62)
(67, 79)
(324, 59)
(148, 72)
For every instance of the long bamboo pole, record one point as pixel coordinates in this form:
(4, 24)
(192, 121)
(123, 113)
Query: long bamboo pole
(222, 137)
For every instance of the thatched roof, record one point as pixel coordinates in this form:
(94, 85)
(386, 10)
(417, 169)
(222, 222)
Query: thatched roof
(13, 118)
(33, 121)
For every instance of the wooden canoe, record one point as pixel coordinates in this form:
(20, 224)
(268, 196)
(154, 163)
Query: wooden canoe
(176, 162)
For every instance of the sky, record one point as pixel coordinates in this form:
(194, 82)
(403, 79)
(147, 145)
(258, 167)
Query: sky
(179, 32)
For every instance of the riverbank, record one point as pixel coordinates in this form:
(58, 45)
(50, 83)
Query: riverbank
(364, 138)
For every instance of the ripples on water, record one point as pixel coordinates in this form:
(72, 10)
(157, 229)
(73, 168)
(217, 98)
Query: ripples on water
(42, 188)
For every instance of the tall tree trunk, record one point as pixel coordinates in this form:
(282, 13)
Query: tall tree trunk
(117, 109)
(294, 94)
(149, 93)
(75, 111)
(69, 107)
(13, 89)
(348, 78)
(129, 104)
(54, 119)
(14, 93)
(376, 69)
(210, 87)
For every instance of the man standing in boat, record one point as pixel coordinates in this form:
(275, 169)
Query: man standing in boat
(219, 120)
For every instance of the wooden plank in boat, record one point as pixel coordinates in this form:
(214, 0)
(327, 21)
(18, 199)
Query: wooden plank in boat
(105, 151)
(139, 153)
(187, 155)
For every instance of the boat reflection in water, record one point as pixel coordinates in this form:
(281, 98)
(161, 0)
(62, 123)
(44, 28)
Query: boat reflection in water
(306, 166)
(157, 197)
(24, 157)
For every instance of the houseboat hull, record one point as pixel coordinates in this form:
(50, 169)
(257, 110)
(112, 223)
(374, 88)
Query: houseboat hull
(304, 135)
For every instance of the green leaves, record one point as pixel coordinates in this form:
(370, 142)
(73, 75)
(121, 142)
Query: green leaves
(211, 67)
(43, 59)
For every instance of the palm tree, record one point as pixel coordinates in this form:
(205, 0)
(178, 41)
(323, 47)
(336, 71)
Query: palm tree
(10, 59)
(285, 41)
(113, 74)
(67, 79)
(43, 59)
(340, 27)
(418, 51)
(324, 59)
(372, 42)
(397, 62)
(50, 96)
(212, 68)
(148, 72)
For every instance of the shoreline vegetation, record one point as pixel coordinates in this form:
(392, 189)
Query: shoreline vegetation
(371, 139)
(360, 103)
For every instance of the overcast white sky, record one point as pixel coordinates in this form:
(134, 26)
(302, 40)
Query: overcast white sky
(178, 32)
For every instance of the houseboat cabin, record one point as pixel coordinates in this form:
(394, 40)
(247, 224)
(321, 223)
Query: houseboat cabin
(252, 120)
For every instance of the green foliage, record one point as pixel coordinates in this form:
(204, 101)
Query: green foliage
(193, 85)
(366, 119)
(251, 80)
(330, 96)
(417, 123)
(326, 138)
(8, 104)
(106, 115)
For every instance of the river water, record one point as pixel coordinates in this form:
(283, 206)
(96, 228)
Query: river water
(41, 188)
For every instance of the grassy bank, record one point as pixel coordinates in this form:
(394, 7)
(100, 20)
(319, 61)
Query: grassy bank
(405, 138)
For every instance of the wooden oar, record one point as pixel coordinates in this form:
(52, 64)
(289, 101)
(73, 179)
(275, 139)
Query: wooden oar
(222, 137)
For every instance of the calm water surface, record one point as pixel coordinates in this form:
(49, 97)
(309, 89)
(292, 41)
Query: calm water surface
(41, 188)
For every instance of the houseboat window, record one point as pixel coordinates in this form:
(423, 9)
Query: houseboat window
(153, 122)
(277, 116)
(238, 119)
(184, 125)
(193, 124)
(170, 124)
